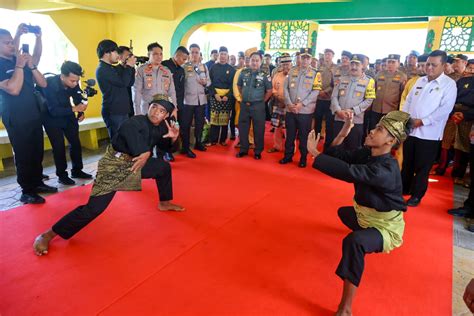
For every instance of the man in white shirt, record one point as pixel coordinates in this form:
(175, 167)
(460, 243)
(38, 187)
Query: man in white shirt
(429, 103)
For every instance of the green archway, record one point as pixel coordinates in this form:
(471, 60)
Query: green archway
(357, 11)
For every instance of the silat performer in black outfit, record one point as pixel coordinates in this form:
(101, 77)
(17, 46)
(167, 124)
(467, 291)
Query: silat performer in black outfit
(376, 217)
(126, 161)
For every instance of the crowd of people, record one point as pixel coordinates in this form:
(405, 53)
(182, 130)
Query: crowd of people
(384, 126)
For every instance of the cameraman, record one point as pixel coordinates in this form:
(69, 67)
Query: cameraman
(61, 121)
(124, 54)
(21, 114)
(113, 83)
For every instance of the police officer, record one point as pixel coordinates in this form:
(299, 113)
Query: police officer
(344, 68)
(302, 87)
(152, 78)
(323, 107)
(255, 88)
(389, 85)
(196, 80)
(21, 114)
(410, 68)
(352, 96)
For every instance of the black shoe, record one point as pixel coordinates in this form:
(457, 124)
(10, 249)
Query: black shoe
(461, 212)
(470, 227)
(302, 164)
(168, 157)
(66, 180)
(189, 153)
(272, 130)
(45, 177)
(31, 198)
(80, 175)
(44, 188)
(413, 201)
(257, 156)
(232, 137)
(200, 147)
(284, 161)
(241, 154)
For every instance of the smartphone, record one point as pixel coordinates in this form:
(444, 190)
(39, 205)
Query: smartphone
(33, 29)
(25, 48)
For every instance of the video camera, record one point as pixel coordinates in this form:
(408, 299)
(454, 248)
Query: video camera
(140, 59)
(89, 90)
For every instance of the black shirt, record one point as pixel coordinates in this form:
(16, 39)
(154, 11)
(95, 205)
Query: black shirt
(138, 135)
(222, 77)
(178, 79)
(58, 99)
(377, 180)
(465, 96)
(114, 82)
(20, 108)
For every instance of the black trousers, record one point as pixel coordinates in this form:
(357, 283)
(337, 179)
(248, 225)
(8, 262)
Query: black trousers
(418, 158)
(469, 203)
(218, 134)
(461, 160)
(254, 113)
(186, 115)
(232, 121)
(374, 119)
(354, 140)
(355, 245)
(297, 124)
(27, 142)
(323, 112)
(81, 216)
(56, 137)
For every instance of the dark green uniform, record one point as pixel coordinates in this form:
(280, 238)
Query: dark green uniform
(254, 84)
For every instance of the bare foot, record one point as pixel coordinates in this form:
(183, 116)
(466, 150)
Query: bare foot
(168, 206)
(41, 244)
(343, 312)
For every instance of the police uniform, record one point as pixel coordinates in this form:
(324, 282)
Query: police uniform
(323, 107)
(301, 85)
(22, 119)
(410, 71)
(342, 71)
(151, 80)
(356, 94)
(254, 85)
(389, 87)
(195, 101)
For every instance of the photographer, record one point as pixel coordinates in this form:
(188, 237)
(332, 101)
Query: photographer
(124, 54)
(60, 120)
(113, 83)
(21, 114)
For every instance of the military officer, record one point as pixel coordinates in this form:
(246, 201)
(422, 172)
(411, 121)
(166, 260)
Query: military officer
(255, 88)
(152, 78)
(389, 85)
(351, 97)
(302, 87)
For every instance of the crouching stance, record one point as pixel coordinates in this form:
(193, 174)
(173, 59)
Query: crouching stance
(126, 161)
(376, 218)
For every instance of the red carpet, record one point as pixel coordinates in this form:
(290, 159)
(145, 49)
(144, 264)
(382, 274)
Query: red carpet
(257, 238)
